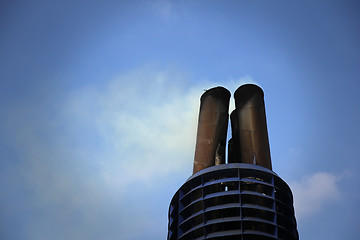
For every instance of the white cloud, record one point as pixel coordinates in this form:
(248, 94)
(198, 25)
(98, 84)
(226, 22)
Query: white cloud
(149, 118)
(314, 192)
(91, 160)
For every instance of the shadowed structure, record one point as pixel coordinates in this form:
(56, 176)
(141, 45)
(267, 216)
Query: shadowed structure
(212, 128)
(251, 131)
(242, 199)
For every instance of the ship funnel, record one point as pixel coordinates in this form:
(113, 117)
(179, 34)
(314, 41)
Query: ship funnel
(251, 135)
(241, 198)
(212, 128)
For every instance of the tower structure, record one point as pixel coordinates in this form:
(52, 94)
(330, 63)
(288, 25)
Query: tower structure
(241, 198)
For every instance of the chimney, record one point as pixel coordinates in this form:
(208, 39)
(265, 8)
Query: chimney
(212, 128)
(251, 129)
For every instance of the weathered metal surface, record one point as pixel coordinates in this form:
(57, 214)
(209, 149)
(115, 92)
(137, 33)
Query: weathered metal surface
(252, 129)
(212, 128)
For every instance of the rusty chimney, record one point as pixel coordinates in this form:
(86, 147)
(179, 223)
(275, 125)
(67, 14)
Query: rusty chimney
(212, 128)
(251, 134)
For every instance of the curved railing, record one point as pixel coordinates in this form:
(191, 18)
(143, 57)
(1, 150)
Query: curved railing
(229, 201)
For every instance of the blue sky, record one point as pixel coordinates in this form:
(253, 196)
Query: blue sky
(99, 104)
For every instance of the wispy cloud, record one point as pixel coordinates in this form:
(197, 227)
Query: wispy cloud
(148, 118)
(315, 192)
(92, 159)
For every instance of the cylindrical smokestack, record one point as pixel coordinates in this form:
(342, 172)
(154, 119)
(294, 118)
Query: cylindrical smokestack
(252, 130)
(212, 128)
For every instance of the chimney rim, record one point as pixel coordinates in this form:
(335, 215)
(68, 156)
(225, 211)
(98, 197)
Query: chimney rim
(218, 92)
